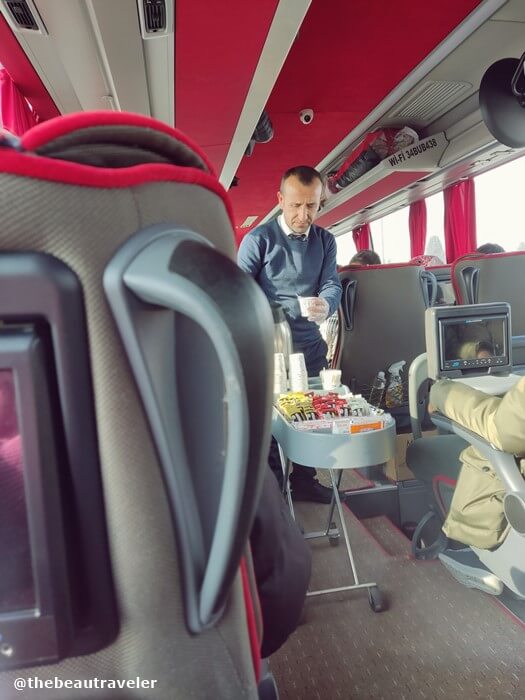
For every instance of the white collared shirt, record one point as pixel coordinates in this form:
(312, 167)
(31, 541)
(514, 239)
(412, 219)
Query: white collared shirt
(287, 230)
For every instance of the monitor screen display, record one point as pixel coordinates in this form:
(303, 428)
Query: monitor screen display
(17, 589)
(472, 343)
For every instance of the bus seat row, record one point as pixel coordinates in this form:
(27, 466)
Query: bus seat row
(382, 308)
(382, 316)
(139, 466)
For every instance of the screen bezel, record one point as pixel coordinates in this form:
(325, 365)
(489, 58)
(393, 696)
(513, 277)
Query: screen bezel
(434, 317)
(41, 291)
(36, 632)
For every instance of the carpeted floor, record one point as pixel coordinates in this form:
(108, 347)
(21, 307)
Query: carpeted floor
(436, 640)
(351, 480)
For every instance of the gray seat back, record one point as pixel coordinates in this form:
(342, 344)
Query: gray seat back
(445, 295)
(84, 186)
(497, 277)
(383, 308)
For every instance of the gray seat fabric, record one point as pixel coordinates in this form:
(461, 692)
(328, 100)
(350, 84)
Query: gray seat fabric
(83, 226)
(445, 295)
(386, 323)
(497, 277)
(436, 457)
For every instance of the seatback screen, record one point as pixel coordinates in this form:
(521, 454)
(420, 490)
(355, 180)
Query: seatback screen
(469, 343)
(17, 589)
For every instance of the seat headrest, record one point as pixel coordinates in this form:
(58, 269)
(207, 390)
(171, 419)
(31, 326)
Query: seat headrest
(113, 140)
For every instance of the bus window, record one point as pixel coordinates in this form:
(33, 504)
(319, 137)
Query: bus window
(499, 195)
(435, 244)
(391, 238)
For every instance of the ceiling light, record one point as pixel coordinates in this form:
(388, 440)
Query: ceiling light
(248, 221)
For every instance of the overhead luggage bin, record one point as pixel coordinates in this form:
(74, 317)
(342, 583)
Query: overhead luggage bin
(389, 176)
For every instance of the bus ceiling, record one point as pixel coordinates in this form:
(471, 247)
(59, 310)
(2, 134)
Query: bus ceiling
(315, 77)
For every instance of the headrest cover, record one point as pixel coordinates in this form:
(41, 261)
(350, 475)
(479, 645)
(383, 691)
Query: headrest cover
(113, 140)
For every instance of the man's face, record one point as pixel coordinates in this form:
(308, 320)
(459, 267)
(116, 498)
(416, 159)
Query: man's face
(300, 203)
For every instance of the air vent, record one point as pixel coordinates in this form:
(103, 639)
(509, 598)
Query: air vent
(23, 15)
(430, 101)
(154, 16)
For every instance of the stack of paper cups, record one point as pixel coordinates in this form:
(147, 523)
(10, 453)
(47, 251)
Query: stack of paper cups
(298, 374)
(280, 383)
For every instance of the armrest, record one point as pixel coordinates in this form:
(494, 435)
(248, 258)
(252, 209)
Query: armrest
(504, 465)
(417, 377)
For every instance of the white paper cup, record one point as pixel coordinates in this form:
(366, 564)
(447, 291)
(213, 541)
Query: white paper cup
(280, 386)
(298, 374)
(279, 364)
(297, 363)
(330, 379)
(305, 304)
(299, 383)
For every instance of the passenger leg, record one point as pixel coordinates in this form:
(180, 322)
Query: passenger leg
(282, 562)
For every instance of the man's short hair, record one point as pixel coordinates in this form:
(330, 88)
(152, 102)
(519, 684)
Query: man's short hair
(366, 257)
(488, 248)
(304, 173)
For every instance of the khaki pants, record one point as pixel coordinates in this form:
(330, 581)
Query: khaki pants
(476, 514)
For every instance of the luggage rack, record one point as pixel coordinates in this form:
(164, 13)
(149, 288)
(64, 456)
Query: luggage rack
(334, 452)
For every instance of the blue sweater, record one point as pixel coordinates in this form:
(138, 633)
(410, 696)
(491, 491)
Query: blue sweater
(286, 268)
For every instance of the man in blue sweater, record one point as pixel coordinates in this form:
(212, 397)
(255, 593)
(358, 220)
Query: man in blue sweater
(291, 257)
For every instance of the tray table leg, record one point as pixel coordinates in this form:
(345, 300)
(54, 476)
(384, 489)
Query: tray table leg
(375, 599)
(335, 489)
(333, 503)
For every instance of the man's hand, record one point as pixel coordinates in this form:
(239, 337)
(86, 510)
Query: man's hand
(318, 310)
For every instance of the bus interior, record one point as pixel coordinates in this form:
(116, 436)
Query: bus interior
(142, 140)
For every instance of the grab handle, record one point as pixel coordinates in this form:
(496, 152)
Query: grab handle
(212, 504)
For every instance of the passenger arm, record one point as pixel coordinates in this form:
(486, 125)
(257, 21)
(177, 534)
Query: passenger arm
(329, 284)
(249, 256)
(501, 421)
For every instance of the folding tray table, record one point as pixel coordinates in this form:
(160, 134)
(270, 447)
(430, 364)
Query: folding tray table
(334, 452)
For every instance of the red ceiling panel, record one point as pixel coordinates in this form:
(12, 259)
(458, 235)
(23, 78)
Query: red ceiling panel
(217, 48)
(347, 57)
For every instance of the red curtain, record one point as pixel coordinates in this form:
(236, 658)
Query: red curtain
(15, 114)
(361, 236)
(417, 225)
(460, 219)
